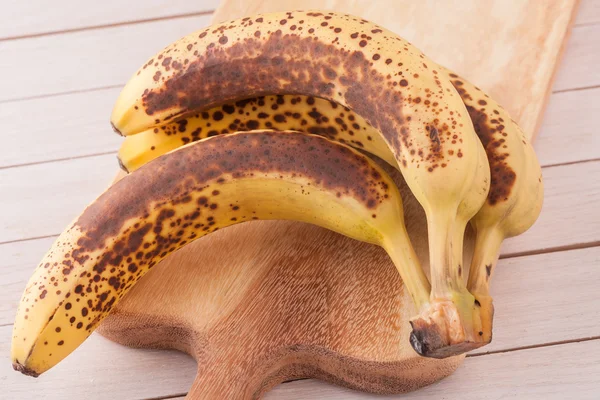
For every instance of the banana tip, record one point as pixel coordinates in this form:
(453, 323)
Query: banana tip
(123, 167)
(24, 370)
(429, 342)
(117, 131)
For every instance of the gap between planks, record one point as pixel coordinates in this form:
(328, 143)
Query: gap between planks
(104, 26)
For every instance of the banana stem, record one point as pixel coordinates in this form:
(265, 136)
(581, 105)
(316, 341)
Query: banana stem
(405, 259)
(485, 258)
(445, 244)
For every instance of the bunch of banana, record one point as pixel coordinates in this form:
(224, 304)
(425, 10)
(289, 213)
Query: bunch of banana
(325, 73)
(187, 194)
(411, 105)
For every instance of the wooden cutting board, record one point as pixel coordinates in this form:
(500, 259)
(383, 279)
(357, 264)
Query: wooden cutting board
(264, 302)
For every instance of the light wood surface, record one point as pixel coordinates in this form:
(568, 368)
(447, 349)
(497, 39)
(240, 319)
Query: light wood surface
(589, 13)
(582, 46)
(69, 60)
(34, 18)
(106, 370)
(334, 310)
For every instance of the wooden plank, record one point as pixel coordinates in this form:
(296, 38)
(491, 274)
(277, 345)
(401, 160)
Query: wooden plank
(100, 369)
(41, 199)
(86, 59)
(568, 132)
(23, 18)
(557, 372)
(84, 130)
(570, 213)
(579, 65)
(569, 216)
(18, 262)
(58, 127)
(106, 370)
(589, 12)
(521, 289)
(537, 299)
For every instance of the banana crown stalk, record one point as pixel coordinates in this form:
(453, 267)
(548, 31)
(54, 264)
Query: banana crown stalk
(396, 89)
(189, 193)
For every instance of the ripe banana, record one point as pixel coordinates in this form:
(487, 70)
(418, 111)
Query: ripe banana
(516, 194)
(191, 192)
(289, 112)
(393, 86)
(514, 200)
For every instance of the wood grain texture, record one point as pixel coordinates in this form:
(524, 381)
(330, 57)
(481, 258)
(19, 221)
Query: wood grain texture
(504, 47)
(551, 373)
(84, 60)
(58, 127)
(25, 18)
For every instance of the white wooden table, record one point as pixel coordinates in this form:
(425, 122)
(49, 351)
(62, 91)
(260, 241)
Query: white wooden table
(61, 67)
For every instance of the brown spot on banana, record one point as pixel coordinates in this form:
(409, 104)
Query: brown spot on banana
(309, 62)
(230, 157)
(491, 129)
(286, 112)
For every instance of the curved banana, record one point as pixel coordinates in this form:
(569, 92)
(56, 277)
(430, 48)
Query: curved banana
(285, 112)
(514, 200)
(191, 192)
(392, 85)
(516, 194)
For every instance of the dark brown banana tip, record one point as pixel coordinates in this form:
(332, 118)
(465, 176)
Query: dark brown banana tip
(118, 132)
(121, 165)
(428, 341)
(25, 371)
